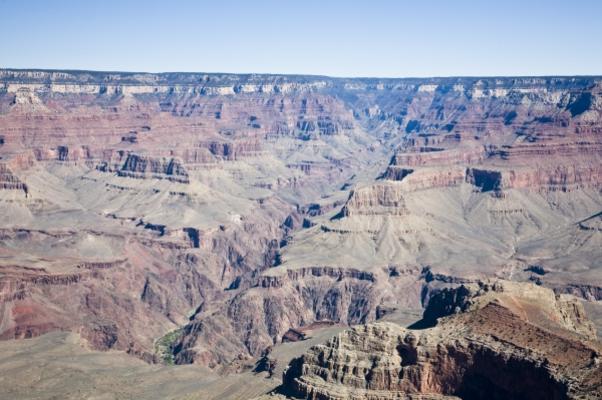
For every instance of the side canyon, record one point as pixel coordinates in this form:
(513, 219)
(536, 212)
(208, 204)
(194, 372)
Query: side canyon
(220, 220)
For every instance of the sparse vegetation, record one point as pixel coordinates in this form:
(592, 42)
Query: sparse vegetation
(164, 347)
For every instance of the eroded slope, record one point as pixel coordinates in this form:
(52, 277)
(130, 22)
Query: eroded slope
(212, 213)
(502, 341)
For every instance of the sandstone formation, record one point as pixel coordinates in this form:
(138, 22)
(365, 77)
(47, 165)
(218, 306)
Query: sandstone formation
(495, 341)
(197, 218)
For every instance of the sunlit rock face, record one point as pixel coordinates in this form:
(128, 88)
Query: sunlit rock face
(227, 209)
(498, 341)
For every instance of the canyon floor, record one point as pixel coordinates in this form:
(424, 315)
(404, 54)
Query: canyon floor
(178, 235)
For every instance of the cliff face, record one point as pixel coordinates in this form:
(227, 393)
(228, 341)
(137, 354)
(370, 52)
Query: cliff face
(509, 342)
(206, 206)
(9, 181)
(295, 299)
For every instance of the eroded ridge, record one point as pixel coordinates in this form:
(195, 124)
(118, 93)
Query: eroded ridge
(495, 340)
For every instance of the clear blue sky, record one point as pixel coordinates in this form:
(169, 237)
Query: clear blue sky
(339, 38)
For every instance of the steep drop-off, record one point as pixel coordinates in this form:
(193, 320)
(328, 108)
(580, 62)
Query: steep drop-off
(500, 341)
(205, 215)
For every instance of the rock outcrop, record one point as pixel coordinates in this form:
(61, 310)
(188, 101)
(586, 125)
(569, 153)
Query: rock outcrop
(499, 341)
(9, 181)
(221, 210)
(136, 166)
(375, 199)
(296, 300)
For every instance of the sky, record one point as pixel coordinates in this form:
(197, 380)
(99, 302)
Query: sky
(376, 38)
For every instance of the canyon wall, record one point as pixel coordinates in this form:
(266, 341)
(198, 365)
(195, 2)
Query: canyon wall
(212, 213)
(502, 345)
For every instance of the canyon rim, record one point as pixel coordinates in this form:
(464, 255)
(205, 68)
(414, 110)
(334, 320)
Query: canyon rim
(232, 222)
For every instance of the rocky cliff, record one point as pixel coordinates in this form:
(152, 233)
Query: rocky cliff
(211, 213)
(498, 341)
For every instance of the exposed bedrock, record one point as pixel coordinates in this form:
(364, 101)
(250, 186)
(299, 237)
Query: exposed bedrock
(198, 209)
(545, 178)
(133, 165)
(439, 156)
(143, 165)
(375, 199)
(554, 178)
(9, 181)
(295, 299)
(507, 342)
(396, 173)
(127, 303)
(233, 150)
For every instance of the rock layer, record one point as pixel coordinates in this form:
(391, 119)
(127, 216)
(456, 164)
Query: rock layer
(509, 342)
(184, 208)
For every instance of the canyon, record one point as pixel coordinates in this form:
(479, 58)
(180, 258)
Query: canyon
(379, 238)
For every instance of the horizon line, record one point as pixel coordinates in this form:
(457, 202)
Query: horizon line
(297, 74)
